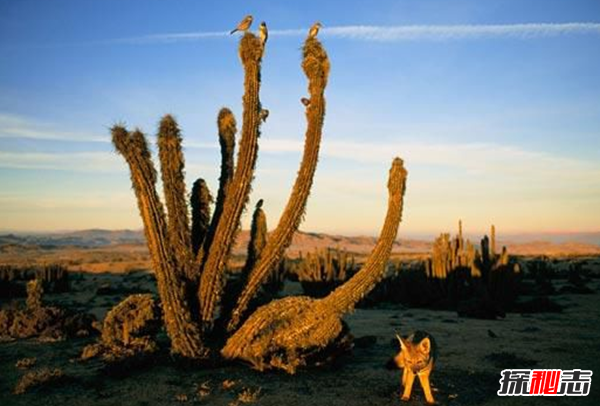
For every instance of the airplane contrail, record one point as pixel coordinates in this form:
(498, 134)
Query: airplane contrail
(400, 32)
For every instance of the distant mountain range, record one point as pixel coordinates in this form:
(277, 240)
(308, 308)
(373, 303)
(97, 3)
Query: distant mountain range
(519, 244)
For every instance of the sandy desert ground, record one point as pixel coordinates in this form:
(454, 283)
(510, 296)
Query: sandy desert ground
(472, 354)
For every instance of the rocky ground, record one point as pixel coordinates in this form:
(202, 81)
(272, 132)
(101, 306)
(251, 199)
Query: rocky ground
(471, 355)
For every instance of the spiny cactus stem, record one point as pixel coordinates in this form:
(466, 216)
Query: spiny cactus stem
(346, 296)
(226, 125)
(237, 196)
(172, 167)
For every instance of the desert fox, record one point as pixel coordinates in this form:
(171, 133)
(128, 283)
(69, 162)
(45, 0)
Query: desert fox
(416, 357)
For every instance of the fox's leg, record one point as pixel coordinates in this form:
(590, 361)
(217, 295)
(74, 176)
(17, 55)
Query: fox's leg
(424, 379)
(410, 379)
(404, 375)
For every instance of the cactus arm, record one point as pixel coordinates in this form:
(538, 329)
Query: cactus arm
(316, 67)
(172, 173)
(258, 237)
(226, 125)
(237, 196)
(347, 295)
(183, 332)
(258, 240)
(200, 201)
(285, 333)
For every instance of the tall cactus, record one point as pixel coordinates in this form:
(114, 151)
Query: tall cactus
(192, 256)
(316, 68)
(283, 333)
(237, 194)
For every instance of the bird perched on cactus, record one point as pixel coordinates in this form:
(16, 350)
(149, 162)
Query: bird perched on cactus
(264, 114)
(305, 101)
(244, 25)
(263, 33)
(314, 30)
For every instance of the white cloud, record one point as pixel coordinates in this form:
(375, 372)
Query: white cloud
(454, 32)
(75, 161)
(13, 126)
(398, 33)
(499, 161)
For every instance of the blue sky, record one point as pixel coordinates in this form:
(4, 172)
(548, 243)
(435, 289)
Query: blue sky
(494, 105)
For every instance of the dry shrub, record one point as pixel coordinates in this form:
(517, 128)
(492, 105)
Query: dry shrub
(128, 330)
(248, 395)
(26, 363)
(39, 378)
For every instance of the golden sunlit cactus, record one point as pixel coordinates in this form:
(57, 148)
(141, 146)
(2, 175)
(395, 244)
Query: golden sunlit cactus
(285, 333)
(183, 331)
(171, 167)
(227, 129)
(191, 255)
(316, 68)
(237, 193)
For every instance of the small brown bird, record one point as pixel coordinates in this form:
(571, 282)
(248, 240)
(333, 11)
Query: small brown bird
(305, 101)
(314, 30)
(264, 113)
(263, 33)
(244, 25)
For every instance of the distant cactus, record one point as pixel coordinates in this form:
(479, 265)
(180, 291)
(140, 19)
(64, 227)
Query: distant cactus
(35, 291)
(38, 320)
(13, 279)
(477, 282)
(322, 271)
(194, 257)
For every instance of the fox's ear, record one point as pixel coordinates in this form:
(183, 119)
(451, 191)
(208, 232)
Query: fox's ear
(402, 345)
(425, 345)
